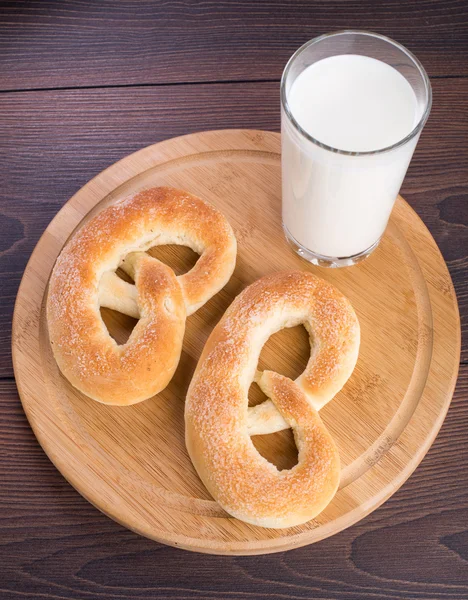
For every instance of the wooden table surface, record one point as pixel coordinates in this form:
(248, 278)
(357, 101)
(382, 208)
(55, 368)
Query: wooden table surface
(84, 83)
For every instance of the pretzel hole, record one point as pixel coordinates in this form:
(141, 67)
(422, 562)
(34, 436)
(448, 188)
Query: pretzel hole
(256, 396)
(286, 352)
(278, 448)
(179, 258)
(122, 275)
(118, 325)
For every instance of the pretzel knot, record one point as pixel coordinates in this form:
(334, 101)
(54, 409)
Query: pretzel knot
(219, 422)
(84, 278)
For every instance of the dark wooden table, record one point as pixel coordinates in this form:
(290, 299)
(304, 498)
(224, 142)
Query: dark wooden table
(84, 83)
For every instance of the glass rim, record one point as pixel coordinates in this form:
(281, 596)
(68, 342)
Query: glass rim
(416, 129)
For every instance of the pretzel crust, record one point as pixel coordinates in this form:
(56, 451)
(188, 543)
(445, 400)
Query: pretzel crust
(217, 417)
(84, 279)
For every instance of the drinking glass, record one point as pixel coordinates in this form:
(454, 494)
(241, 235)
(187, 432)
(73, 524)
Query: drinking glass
(336, 203)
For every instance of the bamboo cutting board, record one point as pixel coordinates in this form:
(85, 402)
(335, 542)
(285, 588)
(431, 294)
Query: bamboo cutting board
(131, 462)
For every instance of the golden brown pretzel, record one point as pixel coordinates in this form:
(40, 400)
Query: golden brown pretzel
(84, 279)
(218, 423)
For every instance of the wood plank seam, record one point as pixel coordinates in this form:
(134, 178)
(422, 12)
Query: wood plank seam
(139, 85)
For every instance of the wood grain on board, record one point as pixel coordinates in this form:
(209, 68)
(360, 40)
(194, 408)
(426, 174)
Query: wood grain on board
(50, 43)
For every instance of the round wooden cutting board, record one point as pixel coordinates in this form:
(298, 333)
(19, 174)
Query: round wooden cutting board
(131, 462)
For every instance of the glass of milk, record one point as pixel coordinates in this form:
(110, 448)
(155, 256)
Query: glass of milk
(353, 105)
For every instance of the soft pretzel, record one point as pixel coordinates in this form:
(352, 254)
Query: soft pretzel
(219, 422)
(84, 279)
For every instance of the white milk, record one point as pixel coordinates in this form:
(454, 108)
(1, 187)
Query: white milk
(333, 204)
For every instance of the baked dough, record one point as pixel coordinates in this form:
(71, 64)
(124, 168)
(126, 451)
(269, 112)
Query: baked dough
(84, 278)
(219, 422)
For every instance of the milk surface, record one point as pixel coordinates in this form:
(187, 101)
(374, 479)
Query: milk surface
(338, 205)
